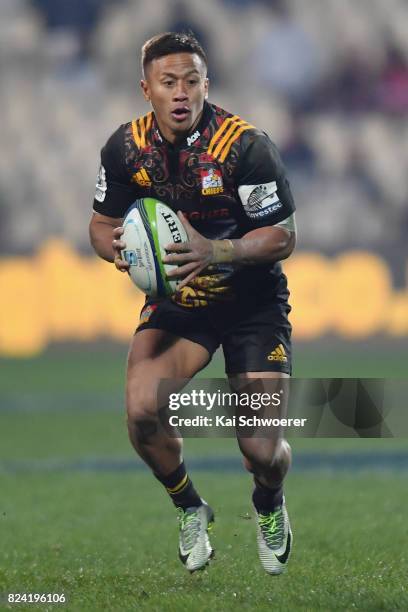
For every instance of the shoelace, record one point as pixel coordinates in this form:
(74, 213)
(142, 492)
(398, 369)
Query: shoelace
(190, 528)
(273, 527)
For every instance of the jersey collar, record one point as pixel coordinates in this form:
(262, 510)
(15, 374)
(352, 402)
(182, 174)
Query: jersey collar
(195, 133)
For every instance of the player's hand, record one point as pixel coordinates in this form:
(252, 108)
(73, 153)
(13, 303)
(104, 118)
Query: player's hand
(191, 257)
(118, 245)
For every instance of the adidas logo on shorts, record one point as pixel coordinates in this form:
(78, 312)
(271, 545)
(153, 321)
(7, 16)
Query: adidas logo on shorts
(278, 354)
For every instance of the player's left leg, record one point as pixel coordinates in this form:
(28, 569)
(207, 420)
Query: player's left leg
(267, 456)
(171, 345)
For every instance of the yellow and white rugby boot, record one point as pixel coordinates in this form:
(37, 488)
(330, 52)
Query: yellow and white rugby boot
(274, 539)
(195, 549)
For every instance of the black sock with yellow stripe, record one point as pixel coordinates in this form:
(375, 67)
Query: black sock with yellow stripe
(266, 499)
(180, 488)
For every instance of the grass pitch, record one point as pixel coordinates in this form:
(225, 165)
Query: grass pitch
(109, 542)
(70, 523)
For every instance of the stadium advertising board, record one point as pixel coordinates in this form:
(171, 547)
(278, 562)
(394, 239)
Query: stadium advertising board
(59, 295)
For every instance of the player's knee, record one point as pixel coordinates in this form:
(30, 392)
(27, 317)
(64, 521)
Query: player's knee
(142, 418)
(262, 456)
(261, 459)
(141, 402)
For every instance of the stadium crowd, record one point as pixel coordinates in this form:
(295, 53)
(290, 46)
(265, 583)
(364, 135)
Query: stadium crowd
(327, 83)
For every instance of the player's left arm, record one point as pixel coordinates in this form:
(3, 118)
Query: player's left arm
(267, 201)
(259, 246)
(269, 207)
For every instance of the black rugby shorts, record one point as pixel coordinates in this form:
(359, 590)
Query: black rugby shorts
(254, 333)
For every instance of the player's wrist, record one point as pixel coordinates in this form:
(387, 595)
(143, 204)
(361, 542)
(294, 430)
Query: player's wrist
(223, 251)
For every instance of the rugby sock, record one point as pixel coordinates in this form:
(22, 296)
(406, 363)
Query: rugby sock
(267, 499)
(180, 488)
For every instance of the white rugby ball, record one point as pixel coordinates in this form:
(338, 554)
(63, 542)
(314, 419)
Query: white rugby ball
(149, 226)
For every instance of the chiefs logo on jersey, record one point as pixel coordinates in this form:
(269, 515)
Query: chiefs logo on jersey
(211, 182)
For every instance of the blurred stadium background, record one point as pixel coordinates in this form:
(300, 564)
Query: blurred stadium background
(329, 85)
(328, 80)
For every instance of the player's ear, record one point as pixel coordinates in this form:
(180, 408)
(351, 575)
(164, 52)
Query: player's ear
(145, 89)
(206, 86)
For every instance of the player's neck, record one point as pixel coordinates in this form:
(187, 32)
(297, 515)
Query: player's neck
(176, 138)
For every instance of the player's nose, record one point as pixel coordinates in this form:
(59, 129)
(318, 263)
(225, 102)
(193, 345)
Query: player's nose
(180, 94)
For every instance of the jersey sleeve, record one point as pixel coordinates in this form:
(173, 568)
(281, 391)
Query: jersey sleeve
(114, 193)
(263, 188)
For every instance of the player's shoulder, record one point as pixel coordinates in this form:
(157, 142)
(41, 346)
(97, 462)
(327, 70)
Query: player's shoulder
(135, 131)
(232, 134)
(140, 130)
(115, 141)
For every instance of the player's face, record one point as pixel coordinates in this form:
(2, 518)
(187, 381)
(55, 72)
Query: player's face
(176, 85)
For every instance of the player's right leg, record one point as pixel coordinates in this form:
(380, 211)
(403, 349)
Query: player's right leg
(258, 360)
(155, 355)
(267, 456)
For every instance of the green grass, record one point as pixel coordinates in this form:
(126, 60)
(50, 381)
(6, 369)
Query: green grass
(84, 368)
(109, 540)
(70, 435)
(109, 543)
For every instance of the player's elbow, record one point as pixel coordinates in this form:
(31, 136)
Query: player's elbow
(289, 243)
(101, 233)
(100, 237)
(93, 233)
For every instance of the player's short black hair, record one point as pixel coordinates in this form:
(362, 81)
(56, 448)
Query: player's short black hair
(169, 43)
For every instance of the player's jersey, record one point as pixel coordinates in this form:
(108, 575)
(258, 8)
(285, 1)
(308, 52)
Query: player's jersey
(226, 177)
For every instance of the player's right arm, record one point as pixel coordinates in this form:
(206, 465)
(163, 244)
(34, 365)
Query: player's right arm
(105, 233)
(113, 196)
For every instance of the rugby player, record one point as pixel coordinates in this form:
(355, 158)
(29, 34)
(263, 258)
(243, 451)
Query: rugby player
(227, 182)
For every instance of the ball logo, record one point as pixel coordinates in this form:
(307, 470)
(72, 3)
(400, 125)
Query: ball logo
(171, 224)
(131, 257)
(148, 226)
(149, 263)
(135, 258)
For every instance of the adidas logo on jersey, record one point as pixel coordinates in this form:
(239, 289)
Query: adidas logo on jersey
(142, 178)
(278, 354)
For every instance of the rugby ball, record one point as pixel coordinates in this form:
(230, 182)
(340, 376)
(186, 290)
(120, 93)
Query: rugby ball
(149, 226)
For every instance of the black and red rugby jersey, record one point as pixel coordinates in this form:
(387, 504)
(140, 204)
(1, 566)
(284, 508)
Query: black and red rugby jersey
(226, 177)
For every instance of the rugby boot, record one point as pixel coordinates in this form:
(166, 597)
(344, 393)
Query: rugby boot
(195, 549)
(274, 539)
